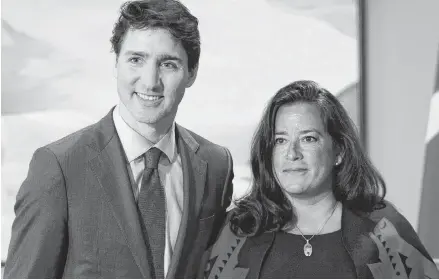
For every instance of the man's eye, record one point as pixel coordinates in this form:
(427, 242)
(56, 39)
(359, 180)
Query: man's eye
(169, 65)
(135, 60)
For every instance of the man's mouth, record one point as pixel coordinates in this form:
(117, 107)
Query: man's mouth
(149, 97)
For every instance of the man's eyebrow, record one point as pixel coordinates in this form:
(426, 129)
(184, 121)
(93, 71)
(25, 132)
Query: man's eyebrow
(170, 57)
(161, 57)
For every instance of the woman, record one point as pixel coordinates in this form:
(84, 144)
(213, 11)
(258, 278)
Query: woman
(316, 208)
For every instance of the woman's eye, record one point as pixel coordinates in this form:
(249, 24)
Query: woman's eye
(309, 139)
(280, 141)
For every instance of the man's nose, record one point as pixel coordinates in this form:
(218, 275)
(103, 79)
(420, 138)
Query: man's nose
(150, 78)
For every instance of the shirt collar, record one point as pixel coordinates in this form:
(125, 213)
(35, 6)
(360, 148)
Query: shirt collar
(135, 145)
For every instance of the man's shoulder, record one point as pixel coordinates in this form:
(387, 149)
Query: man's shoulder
(76, 142)
(207, 149)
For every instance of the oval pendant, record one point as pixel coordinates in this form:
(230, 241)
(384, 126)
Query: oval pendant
(307, 249)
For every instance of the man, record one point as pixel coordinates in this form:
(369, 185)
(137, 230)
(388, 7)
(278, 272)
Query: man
(134, 195)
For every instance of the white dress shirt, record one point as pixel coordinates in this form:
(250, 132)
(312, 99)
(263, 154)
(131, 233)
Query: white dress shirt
(170, 173)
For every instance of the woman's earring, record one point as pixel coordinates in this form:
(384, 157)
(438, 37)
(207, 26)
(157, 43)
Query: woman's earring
(338, 160)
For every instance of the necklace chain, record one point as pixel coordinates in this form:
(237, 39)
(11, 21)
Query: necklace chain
(321, 228)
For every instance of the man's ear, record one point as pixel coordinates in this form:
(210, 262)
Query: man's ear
(115, 67)
(192, 76)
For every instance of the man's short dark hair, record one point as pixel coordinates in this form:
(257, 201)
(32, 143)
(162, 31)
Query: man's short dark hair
(167, 14)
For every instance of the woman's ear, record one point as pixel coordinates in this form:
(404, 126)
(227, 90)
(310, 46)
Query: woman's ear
(339, 155)
(338, 160)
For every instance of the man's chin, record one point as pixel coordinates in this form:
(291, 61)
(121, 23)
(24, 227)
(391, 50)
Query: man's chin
(150, 120)
(157, 119)
(154, 118)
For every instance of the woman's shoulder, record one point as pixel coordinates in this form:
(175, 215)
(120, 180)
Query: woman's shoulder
(223, 255)
(227, 235)
(386, 233)
(387, 212)
(392, 232)
(389, 221)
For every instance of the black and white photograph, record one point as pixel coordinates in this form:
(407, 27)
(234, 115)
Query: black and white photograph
(245, 139)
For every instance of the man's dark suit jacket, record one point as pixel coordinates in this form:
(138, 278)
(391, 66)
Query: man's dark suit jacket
(76, 216)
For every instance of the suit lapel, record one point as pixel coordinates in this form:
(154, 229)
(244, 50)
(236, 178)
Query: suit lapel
(110, 168)
(194, 168)
(361, 248)
(194, 182)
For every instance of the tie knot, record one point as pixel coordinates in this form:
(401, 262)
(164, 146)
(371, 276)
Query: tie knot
(152, 157)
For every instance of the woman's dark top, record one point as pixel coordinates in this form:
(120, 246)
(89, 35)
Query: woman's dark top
(286, 259)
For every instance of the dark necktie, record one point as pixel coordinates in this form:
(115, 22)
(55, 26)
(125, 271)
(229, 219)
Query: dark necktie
(151, 203)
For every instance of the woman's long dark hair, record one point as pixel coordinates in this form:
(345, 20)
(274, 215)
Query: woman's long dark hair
(357, 184)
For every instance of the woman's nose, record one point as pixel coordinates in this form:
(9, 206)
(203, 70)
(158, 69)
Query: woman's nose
(293, 152)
